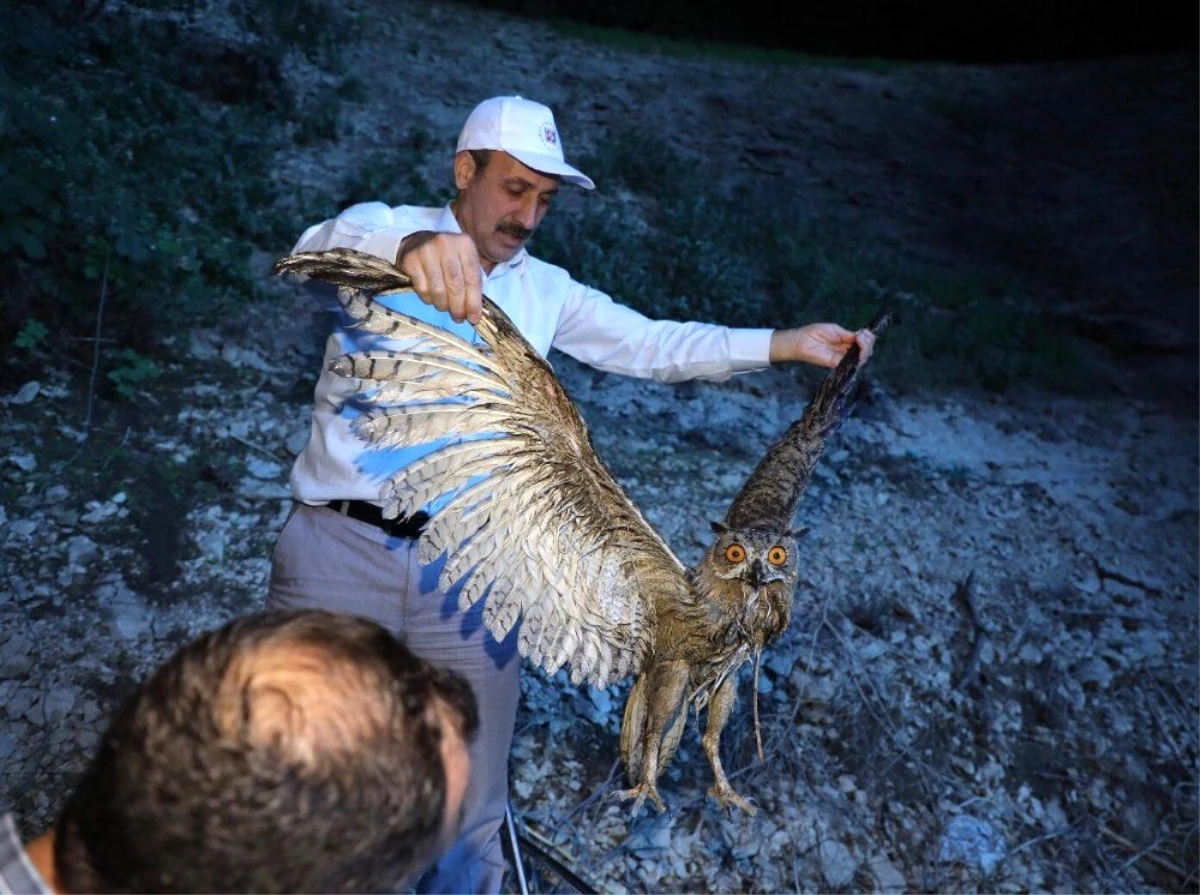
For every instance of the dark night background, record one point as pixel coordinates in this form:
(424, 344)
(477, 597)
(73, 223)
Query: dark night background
(1018, 31)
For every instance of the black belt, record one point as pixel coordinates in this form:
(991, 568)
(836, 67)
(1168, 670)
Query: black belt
(409, 527)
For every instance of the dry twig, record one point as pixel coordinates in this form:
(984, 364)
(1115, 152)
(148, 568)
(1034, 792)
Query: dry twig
(1147, 853)
(962, 594)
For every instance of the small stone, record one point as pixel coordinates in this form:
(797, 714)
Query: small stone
(81, 550)
(130, 619)
(972, 841)
(838, 865)
(212, 545)
(20, 702)
(1094, 670)
(1126, 594)
(26, 393)
(86, 740)
(98, 511)
(297, 440)
(888, 879)
(58, 704)
(264, 489)
(240, 357)
(263, 469)
(202, 345)
(36, 713)
(601, 700)
(15, 658)
(23, 460)
(652, 836)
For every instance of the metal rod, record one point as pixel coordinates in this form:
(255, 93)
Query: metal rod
(518, 861)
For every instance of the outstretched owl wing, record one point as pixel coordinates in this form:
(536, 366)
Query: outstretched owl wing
(531, 520)
(770, 496)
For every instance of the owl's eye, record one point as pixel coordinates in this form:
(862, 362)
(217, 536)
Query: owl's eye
(735, 553)
(777, 556)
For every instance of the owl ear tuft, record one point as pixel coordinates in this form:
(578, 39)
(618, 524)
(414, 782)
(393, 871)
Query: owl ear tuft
(719, 527)
(798, 533)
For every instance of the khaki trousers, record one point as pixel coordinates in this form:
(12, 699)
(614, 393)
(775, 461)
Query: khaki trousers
(328, 561)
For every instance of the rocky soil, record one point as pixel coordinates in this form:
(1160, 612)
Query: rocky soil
(990, 683)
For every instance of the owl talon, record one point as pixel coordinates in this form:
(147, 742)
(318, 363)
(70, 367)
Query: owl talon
(727, 798)
(639, 794)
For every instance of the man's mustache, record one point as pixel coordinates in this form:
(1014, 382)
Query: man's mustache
(515, 230)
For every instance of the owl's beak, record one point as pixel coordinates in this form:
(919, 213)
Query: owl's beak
(757, 576)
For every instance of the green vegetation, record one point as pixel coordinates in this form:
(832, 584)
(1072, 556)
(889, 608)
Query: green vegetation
(137, 175)
(756, 259)
(393, 175)
(136, 160)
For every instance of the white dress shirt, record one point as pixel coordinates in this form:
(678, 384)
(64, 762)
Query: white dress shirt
(546, 305)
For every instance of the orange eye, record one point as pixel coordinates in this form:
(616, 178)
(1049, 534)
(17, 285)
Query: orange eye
(735, 553)
(777, 556)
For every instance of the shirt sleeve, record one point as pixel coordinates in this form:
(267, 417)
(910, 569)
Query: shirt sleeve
(600, 332)
(370, 227)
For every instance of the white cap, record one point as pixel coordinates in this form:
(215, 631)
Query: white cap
(526, 131)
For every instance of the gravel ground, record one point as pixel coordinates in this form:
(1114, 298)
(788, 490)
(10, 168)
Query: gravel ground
(990, 683)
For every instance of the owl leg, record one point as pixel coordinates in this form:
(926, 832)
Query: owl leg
(719, 709)
(666, 686)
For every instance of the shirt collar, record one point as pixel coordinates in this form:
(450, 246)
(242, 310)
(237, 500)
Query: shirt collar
(17, 872)
(448, 223)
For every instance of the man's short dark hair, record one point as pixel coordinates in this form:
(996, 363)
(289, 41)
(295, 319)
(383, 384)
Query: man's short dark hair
(289, 751)
(481, 158)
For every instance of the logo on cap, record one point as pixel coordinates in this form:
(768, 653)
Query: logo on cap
(548, 134)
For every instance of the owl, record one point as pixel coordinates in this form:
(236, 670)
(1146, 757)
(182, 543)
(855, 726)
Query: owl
(533, 523)
(744, 586)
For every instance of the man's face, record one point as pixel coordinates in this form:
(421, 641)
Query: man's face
(501, 206)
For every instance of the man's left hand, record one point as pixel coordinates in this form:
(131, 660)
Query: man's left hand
(821, 344)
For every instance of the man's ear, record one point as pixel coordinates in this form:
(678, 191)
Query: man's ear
(464, 169)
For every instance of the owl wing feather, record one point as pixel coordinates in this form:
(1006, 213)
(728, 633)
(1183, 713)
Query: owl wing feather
(770, 496)
(532, 521)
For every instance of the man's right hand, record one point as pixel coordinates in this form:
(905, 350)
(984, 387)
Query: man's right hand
(445, 272)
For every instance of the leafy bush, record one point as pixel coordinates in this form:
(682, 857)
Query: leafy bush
(137, 159)
(679, 248)
(394, 175)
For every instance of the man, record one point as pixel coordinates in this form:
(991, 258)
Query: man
(336, 551)
(286, 752)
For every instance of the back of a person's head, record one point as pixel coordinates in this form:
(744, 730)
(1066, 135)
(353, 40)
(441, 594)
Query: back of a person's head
(285, 752)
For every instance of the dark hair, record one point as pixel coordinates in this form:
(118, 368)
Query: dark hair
(481, 158)
(289, 751)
